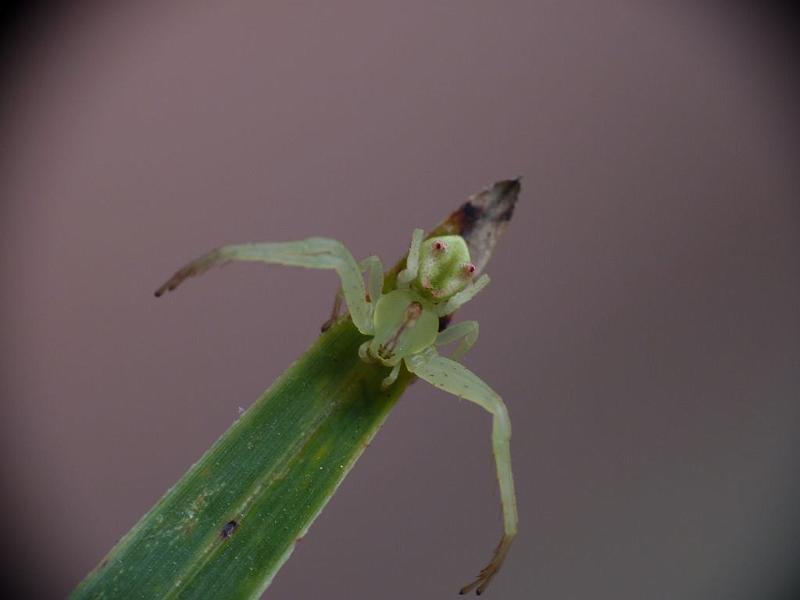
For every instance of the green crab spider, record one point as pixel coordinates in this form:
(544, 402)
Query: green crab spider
(404, 329)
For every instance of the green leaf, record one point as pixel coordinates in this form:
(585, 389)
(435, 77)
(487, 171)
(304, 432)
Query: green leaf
(233, 519)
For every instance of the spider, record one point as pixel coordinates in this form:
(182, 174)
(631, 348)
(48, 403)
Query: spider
(404, 328)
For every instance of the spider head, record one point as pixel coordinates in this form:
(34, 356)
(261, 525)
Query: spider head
(444, 267)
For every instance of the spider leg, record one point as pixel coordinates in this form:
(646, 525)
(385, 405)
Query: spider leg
(311, 253)
(456, 379)
(408, 274)
(392, 377)
(373, 266)
(363, 353)
(466, 331)
(462, 297)
(335, 310)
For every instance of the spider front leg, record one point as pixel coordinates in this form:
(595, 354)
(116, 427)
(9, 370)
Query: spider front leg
(468, 330)
(312, 253)
(456, 379)
(462, 297)
(408, 274)
(373, 266)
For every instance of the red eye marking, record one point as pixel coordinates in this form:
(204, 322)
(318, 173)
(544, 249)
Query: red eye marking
(439, 246)
(469, 269)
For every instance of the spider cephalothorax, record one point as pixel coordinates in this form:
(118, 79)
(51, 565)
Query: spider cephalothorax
(403, 325)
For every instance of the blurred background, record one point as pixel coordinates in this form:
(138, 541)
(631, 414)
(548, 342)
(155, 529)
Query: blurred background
(643, 323)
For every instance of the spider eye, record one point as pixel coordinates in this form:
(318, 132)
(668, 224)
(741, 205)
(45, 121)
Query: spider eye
(469, 269)
(439, 246)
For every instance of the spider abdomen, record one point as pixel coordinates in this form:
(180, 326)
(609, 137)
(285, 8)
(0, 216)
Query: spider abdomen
(404, 324)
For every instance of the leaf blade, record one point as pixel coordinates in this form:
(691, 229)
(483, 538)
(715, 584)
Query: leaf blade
(233, 519)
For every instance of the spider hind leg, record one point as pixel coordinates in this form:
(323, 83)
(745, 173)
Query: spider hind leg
(455, 378)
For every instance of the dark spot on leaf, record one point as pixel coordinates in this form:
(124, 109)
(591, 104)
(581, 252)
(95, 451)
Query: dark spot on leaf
(228, 529)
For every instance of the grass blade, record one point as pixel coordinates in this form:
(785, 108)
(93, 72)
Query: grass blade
(233, 519)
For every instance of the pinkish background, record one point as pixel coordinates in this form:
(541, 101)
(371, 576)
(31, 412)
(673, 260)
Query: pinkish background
(643, 322)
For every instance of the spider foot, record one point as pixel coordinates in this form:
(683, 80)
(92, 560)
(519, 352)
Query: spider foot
(363, 353)
(196, 267)
(335, 316)
(489, 571)
(328, 324)
(391, 378)
(174, 281)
